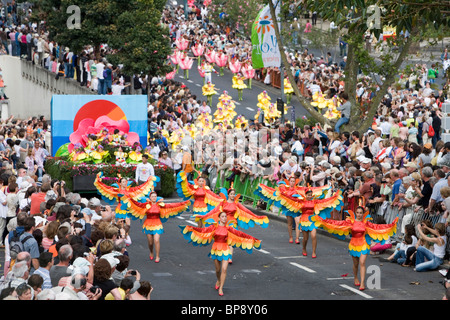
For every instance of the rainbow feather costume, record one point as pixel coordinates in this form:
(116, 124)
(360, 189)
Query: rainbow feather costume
(112, 194)
(361, 232)
(223, 237)
(202, 198)
(238, 215)
(155, 214)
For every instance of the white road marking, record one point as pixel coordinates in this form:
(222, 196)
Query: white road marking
(340, 278)
(162, 274)
(302, 267)
(291, 257)
(251, 271)
(356, 291)
(206, 272)
(251, 109)
(263, 251)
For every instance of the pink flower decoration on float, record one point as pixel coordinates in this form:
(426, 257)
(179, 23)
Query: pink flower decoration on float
(88, 126)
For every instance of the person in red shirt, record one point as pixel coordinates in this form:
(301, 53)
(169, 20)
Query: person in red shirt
(37, 198)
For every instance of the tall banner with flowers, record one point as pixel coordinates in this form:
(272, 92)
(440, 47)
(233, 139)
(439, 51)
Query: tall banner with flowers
(82, 121)
(265, 52)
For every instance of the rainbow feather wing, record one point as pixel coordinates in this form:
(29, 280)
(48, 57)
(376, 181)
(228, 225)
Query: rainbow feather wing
(198, 236)
(137, 210)
(209, 218)
(265, 193)
(291, 206)
(143, 189)
(184, 189)
(170, 210)
(338, 228)
(323, 207)
(245, 218)
(242, 240)
(212, 199)
(106, 191)
(381, 232)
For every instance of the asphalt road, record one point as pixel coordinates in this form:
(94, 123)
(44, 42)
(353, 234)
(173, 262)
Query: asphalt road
(276, 272)
(248, 106)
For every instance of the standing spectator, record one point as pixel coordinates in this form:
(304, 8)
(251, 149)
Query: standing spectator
(30, 245)
(144, 170)
(436, 196)
(345, 111)
(100, 68)
(12, 201)
(60, 270)
(3, 214)
(39, 197)
(102, 278)
(165, 160)
(45, 264)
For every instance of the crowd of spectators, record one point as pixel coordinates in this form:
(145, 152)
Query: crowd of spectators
(70, 248)
(400, 163)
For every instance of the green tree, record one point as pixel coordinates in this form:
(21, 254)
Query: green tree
(406, 16)
(238, 13)
(132, 29)
(142, 42)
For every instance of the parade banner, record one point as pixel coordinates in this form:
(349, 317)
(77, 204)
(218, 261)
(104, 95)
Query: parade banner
(265, 52)
(70, 112)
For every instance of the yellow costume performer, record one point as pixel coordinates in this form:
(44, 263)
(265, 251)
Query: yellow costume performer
(239, 84)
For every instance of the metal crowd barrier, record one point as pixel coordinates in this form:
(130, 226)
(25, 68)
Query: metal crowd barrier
(407, 216)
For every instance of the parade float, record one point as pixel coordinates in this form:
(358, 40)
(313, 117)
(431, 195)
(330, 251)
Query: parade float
(109, 135)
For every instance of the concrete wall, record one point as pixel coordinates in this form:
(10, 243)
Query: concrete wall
(30, 88)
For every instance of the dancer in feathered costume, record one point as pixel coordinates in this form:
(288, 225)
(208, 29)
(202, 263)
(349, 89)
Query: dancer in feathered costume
(307, 206)
(362, 232)
(289, 187)
(202, 198)
(238, 215)
(116, 192)
(223, 237)
(155, 212)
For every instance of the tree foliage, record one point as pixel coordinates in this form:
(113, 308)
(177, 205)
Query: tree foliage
(131, 28)
(354, 16)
